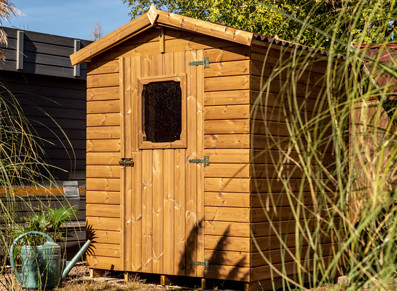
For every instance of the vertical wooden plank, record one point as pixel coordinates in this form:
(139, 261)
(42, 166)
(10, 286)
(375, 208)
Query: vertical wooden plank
(168, 211)
(158, 212)
(169, 185)
(147, 190)
(147, 210)
(123, 243)
(191, 185)
(200, 168)
(180, 189)
(126, 173)
(136, 174)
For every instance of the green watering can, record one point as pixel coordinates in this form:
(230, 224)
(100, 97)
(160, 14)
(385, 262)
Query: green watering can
(41, 265)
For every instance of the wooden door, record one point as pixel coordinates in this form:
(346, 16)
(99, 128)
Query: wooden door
(162, 194)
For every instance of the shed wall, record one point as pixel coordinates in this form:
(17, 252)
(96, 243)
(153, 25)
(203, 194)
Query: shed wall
(226, 142)
(271, 129)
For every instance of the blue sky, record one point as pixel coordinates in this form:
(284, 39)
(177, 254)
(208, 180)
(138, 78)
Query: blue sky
(72, 18)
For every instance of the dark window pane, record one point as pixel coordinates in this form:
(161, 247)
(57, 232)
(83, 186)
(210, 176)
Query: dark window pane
(162, 111)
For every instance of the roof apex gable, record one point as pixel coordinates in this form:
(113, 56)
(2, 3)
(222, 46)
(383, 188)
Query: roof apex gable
(158, 17)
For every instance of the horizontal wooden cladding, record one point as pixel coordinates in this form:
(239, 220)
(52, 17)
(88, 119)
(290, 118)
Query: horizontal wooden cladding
(258, 229)
(289, 268)
(227, 53)
(276, 171)
(268, 200)
(223, 272)
(227, 199)
(272, 185)
(95, 158)
(110, 145)
(227, 83)
(105, 263)
(227, 112)
(227, 141)
(103, 197)
(244, 259)
(274, 100)
(105, 67)
(226, 229)
(227, 243)
(102, 184)
(227, 170)
(228, 156)
(104, 223)
(103, 132)
(237, 97)
(227, 258)
(227, 69)
(103, 94)
(245, 141)
(246, 185)
(283, 155)
(103, 119)
(238, 185)
(301, 74)
(106, 236)
(316, 63)
(103, 171)
(112, 106)
(103, 210)
(277, 86)
(246, 244)
(233, 214)
(104, 80)
(289, 254)
(226, 126)
(106, 250)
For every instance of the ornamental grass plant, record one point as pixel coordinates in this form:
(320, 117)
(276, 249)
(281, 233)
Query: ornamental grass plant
(342, 146)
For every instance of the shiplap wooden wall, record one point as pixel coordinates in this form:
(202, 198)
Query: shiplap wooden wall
(267, 189)
(233, 184)
(226, 86)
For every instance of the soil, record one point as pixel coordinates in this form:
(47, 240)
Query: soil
(79, 280)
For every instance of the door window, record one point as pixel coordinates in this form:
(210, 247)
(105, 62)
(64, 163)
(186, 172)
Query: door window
(163, 112)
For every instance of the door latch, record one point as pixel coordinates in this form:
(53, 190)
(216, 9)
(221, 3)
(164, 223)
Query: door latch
(205, 161)
(126, 162)
(206, 263)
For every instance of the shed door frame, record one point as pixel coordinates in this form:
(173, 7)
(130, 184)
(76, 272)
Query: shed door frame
(181, 143)
(142, 248)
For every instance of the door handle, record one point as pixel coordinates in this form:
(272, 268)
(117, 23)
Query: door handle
(126, 162)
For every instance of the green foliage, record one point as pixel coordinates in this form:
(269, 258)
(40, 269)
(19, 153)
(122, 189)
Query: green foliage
(374, 18)
(49, 221)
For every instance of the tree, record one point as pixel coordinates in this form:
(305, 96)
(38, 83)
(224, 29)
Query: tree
(97, 32)
(356, 20)
(7, 10)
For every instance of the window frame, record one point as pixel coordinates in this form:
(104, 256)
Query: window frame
(178, 144)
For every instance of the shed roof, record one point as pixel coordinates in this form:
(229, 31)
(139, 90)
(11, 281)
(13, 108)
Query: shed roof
(158, 17)
(166, 19)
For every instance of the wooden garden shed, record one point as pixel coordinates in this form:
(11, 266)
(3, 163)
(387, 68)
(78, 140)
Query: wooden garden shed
(171, 185)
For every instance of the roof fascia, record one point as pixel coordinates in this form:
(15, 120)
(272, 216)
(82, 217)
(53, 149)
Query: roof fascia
(158, 17)
(121, 34)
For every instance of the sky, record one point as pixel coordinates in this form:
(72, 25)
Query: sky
(71, 18)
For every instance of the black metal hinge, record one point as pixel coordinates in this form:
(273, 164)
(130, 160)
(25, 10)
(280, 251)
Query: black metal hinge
(206, 263)
(126, 162)
(206, 63)
(205, 161)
